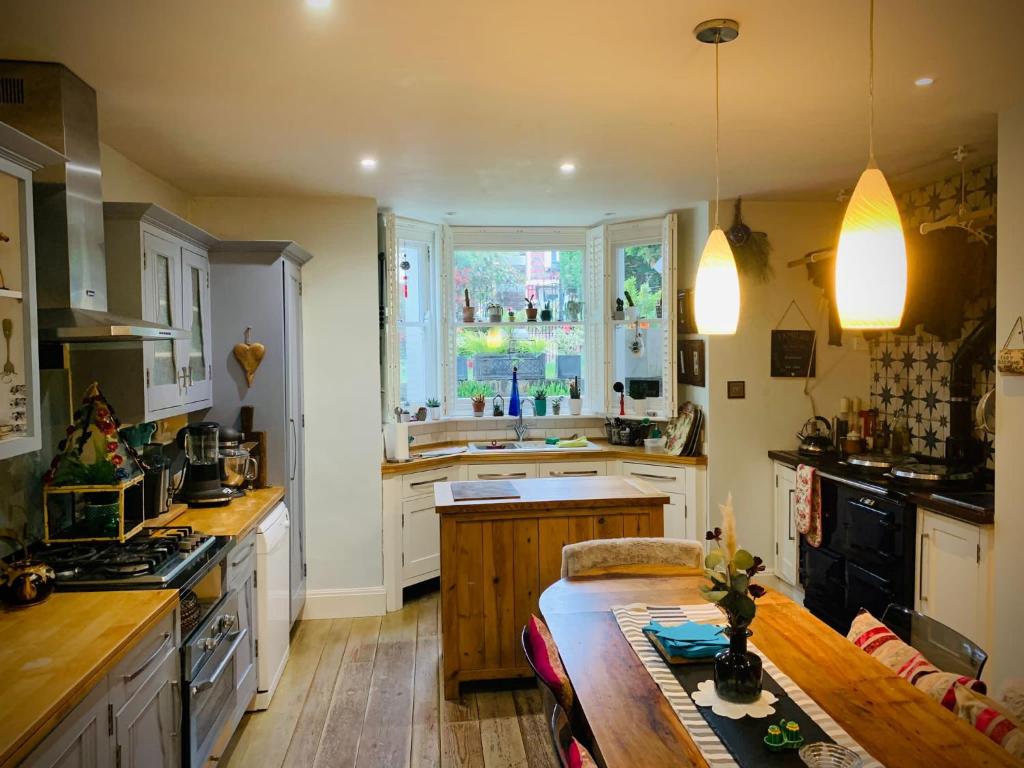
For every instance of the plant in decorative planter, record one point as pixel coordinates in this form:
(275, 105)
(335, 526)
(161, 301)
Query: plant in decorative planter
(434, 407)
(531, 311)
(575, 401)
(573, 310)
(731, 571)
(556, 406)
(638, 394)
(468, 310)
(511, 315)
(618, 314)
(479, 403)
(545, 314)
(494, 313)
(540, 401)
(631, 310)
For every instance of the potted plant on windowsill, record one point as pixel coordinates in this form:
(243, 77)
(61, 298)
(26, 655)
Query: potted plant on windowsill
(494, 313)
(531, 311)
(638, 394)
(540, 402)
(468, 310)
(556, 406)
(434, 408)
(545, 314)
(732, 571)
(479, 403)
(575, 401)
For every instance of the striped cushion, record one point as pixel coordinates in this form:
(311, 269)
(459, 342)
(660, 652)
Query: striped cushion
(548, 663)
(579, 757)
(876, 639)
(990, 718)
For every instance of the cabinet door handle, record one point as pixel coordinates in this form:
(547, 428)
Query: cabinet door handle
(295, 448)
(573, 473)
(428, 482)
(920, 567)
(242, 559)
(176, 690)
(652, 477)
(791, 511)
(150, 660)
(500, 475)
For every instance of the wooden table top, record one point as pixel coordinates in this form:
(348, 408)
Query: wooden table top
(236, 519)
(546, 493)
(633, 724)
(54, 653)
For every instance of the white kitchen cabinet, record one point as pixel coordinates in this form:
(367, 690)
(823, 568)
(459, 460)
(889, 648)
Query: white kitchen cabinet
(421, 540)
(82, 740)
(147, 728)
(685, 514)
(954, 574)
(20, 157)
(158, 269)
(787, 540)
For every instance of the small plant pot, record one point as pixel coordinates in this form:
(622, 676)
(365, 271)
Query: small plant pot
(511, 316)
(575, 406)
(556, 408)
(618, 314)
(435, 412)
(494, 316)
(478, 409)
(469, 314)
(631, 314)
(545, 315)
(540, 407)
(531, 315)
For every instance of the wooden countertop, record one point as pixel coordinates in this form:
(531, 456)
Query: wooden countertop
(53, 654)
(606, 452)
(236, 519)
(555, 493)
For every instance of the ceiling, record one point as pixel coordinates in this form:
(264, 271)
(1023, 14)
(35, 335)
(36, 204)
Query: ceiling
(470, 106)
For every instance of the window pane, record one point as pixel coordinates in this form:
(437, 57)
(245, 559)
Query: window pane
(506, 278)
(639, 360)
(413, 281)
(413, 374)
(196, 360)
(547, 355)
(638, 272)
(165, 368)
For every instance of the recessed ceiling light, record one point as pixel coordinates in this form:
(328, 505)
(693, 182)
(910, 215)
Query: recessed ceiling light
(450, 213)
(924, 82)
(318, 5)
(567, 167)
(610, 213)
(368, 163)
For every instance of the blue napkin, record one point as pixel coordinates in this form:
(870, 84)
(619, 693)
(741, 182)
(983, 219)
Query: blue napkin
(689, 640)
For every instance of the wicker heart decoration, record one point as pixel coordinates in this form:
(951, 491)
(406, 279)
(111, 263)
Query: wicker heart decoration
(249, 354)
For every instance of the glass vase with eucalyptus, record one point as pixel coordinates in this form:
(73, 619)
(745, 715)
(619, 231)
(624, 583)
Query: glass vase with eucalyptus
(731, 571)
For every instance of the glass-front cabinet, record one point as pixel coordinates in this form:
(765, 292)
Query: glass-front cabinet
(162, 278)
(20, 157)
(196, 364)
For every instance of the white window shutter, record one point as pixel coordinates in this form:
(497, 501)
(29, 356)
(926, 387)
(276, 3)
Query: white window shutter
(595, 313)
(446, 331)
(669, 241)
(392, 384)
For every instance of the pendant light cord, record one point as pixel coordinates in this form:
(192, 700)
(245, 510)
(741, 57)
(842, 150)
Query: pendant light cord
(871, 84)
(717, 174)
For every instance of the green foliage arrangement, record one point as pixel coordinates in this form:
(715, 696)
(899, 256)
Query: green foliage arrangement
(540, 393)
(574, 389)
(471, 388)
(433, 402)
(73, 471)
(731, 571)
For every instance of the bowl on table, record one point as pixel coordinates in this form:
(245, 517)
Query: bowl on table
(822, 754)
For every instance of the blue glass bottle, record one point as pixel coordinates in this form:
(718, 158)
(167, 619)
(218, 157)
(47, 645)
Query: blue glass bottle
(513, 401)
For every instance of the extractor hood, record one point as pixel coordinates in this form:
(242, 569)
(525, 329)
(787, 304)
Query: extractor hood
(50, 103)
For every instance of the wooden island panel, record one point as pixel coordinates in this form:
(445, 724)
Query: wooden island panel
(498, 556)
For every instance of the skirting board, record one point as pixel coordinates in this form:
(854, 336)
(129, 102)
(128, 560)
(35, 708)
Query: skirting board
(345, 603)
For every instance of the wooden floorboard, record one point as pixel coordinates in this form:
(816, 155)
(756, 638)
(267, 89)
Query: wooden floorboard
(366, 692)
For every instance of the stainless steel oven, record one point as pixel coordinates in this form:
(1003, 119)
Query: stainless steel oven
(209, 656)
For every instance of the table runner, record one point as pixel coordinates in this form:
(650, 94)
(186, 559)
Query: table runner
(631, 620)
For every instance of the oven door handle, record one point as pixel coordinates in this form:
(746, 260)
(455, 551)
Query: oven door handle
(235, 638)
(885, 514)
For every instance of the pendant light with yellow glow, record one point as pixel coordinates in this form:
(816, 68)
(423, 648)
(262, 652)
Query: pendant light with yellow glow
(871, 260)
(717, 291)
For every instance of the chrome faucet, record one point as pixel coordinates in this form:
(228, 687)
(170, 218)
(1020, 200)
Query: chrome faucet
(519, 427)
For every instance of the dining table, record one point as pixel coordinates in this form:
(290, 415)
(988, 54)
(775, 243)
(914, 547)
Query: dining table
(632, 723)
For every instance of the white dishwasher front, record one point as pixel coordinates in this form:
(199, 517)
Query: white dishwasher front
(273, 604)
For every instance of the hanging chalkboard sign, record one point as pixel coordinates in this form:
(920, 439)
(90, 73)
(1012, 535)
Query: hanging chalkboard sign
(793, 354)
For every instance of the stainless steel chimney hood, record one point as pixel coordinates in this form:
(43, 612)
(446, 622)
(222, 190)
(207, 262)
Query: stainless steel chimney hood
(50, 103)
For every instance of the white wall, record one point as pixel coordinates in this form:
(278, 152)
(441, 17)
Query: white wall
(741, 432)
(342, 375)
(124, 181)
(1006, 659)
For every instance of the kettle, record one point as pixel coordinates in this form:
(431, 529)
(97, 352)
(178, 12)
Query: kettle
(814, 442)
(27, 581)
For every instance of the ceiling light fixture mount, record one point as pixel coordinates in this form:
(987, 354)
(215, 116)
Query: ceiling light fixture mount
(924, 82)
(368, 163)
(567, 167)
(717, 289)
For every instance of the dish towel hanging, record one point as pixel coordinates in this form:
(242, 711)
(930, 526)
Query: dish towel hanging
(808, 504)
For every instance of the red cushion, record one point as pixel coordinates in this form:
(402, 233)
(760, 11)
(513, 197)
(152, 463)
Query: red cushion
(579, 757)
(547, 662)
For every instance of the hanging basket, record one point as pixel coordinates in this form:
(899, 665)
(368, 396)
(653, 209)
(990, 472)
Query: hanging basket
(1011, 361)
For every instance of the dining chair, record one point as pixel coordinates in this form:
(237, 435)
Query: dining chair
(566, 720)
(631, 555)
(944, 647)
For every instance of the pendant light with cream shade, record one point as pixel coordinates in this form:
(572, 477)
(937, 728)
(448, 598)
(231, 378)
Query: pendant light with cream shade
(871, 260)
(717, 291)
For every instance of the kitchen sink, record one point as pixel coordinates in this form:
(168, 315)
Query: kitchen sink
(525, 446)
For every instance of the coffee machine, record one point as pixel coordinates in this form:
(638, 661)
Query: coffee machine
(201, 483)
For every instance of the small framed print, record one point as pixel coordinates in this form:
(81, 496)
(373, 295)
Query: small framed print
(736, 390)
(690, 357)
(685, 322)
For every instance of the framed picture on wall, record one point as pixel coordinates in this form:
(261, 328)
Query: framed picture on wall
(684, 312)
(690, 357)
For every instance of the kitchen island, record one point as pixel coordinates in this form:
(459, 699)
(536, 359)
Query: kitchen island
(499, 554)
